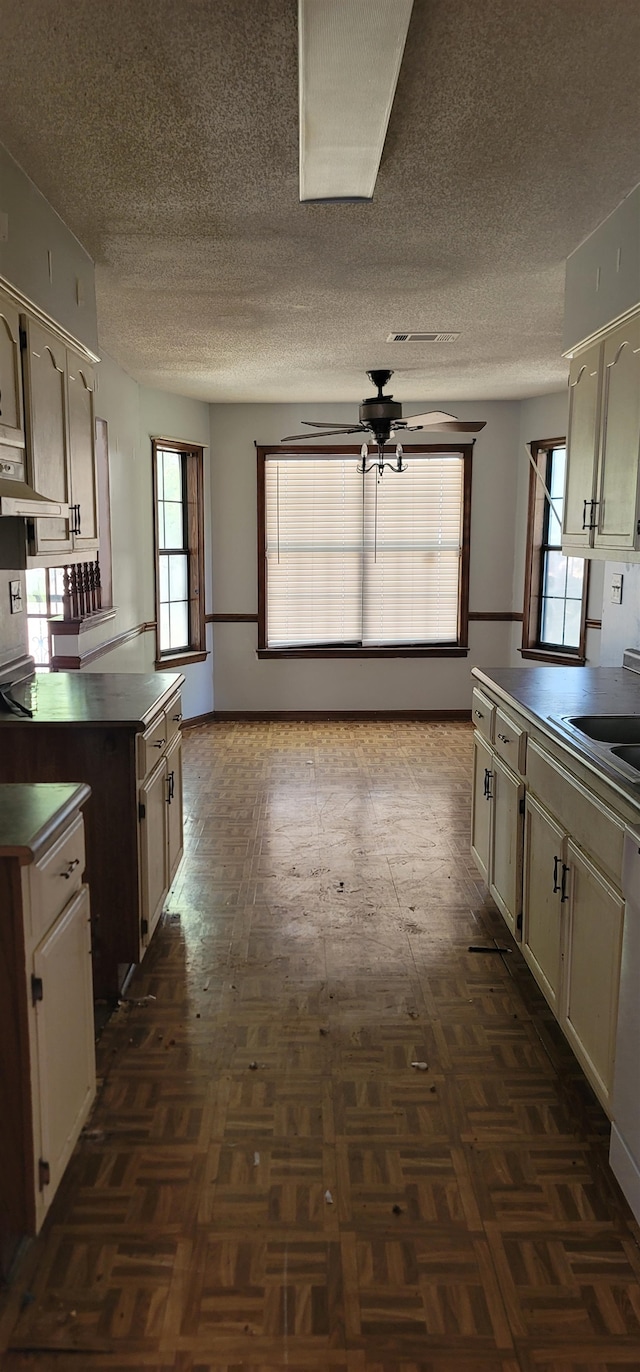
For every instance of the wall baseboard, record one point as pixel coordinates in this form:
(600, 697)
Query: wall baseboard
(207, 718)
(286, 716)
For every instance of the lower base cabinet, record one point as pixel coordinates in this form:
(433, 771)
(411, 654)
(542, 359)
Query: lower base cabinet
(47, 1055)
(542, 900)
(160, 835)
(572, 941)
(592, 970)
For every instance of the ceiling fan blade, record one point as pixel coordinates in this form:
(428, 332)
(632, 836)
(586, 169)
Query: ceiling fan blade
(293, 438)
(460, 426)
(330, 424)
(429, 417)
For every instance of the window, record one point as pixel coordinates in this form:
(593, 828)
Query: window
(179, 532)
(555, 585)
(354, 564)
(45, 592)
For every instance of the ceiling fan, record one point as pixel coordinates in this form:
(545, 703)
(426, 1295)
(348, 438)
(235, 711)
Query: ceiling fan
(381, 416)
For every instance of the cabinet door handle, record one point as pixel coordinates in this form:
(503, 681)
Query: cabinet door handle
(75, 862)
(586, 524)
(170, 787)
(503, 738)
(556, 883)
(565, 893)
(177, 718)
(159, 743)
(487, 783)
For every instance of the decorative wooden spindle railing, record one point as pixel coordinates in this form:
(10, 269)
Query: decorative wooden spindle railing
(82, 594)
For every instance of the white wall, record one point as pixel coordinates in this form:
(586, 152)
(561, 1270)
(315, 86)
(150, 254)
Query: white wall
(545, 417)
(134, 414)
(620, 623)
(242, 682)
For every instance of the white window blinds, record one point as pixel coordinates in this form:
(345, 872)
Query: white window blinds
(356, 560)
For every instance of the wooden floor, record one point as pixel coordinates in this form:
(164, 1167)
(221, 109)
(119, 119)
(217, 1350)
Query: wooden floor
(269, 1180)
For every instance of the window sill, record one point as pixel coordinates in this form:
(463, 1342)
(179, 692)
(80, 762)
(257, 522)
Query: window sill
(547, 655)
(180, 660)
(437, 650)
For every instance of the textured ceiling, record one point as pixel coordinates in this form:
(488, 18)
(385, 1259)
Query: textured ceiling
(165, 133)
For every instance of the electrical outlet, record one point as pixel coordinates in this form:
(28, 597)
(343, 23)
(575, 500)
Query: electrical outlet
(616, 588)
(15, 597)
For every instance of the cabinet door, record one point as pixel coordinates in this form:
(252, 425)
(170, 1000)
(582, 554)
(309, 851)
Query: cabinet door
(45, 395)
(620, 439)
(153, 850)
(64, 1042)
(544, 856)
(582, 446)
(506, 845)
(592, 971)
(481, 805)
(174, 807)
(82, 455)
(11, 412)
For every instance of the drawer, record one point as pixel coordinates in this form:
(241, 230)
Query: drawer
(482, 714)
(151, 744)
(173, 717)
(510, 741)
(55, 878)
(593, 828)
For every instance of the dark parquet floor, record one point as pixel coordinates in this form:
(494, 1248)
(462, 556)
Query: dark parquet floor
(268, 1179)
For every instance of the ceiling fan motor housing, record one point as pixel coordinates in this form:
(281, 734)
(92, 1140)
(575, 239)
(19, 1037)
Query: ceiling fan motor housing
(380, 416)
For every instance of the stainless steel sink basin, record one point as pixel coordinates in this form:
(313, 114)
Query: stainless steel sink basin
(623, 729)
(628, 754)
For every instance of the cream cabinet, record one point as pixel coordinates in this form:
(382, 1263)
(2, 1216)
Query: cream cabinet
(563, 871)
(47, 1059)
(593, 947)
(11, 405)
(60, 426)
(544, 892)
(573, 911)
(160, 813)
(497, 810)
(602, 496)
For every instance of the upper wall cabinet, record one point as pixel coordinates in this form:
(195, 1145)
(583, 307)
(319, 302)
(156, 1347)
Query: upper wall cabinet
(11, 408)
(59, 386)
(602, 494)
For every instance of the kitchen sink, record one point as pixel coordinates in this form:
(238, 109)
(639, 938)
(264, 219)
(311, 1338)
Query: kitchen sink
(628, 754)
(621, 729)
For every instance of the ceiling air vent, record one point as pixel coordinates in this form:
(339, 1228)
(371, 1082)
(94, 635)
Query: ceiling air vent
(422, 337)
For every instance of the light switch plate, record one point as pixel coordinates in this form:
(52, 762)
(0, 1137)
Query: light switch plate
(15, 597)
(616, 588)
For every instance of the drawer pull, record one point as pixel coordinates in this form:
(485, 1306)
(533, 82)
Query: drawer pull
(177, 718)
(478, 714)
(75, 862)
(503, 738)
(159, 743)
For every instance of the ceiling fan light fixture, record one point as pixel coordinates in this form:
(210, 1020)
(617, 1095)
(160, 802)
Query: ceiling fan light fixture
(349, 56)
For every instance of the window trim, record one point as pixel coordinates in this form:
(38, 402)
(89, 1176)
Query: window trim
(531, 648)
(196, 651)
(454, 649)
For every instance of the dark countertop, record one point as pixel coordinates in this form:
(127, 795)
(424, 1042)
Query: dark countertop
(120, 699)
(546, 694)
(32, 814)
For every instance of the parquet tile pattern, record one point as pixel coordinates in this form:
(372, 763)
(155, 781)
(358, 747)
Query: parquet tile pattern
(268, 1181)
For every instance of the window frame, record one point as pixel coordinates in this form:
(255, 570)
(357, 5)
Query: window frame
(532, 648)
(193, 484)
(458, 649)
